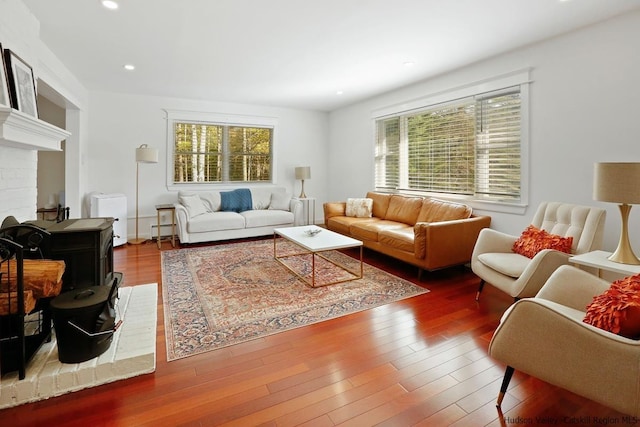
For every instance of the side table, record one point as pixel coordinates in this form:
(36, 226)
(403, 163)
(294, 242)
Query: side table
(598, 259)
(167, 207)
(308, 209)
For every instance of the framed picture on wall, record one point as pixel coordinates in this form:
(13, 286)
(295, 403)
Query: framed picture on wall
(5, 101)
(21, 84)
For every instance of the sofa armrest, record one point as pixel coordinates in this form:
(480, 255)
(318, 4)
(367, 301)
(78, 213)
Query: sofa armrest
(334, 209)
(447, 243)
(572, 287)
(182, 218)
(297, 208)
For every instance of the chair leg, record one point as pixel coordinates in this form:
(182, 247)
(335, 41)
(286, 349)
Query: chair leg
(479, 289)
(508, 373)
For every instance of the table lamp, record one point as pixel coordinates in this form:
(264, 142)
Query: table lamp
(302, 173)
(144, 154)
(619, 183)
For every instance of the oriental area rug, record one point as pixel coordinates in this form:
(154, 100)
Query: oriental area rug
(221, 295)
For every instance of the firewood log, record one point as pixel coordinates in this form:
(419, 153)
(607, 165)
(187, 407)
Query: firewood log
(42, 276)
(9, 302)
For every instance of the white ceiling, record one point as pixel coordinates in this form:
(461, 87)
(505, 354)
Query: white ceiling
(294, 53)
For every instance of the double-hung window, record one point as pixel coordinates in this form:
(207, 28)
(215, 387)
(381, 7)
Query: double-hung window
(470, 147)
(220, 150)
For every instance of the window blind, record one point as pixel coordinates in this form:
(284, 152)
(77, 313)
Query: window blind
(468, 147)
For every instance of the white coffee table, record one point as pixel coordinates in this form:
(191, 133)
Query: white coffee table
(325, 240)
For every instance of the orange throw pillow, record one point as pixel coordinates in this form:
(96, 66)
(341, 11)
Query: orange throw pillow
(533, 240)
(617, 310)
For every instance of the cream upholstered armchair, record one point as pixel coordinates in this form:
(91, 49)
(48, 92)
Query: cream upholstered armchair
(545, 337)
(494, 261)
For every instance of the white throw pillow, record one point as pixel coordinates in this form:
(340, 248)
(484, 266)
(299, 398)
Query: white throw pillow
(280, 201)
(260, 198)
(193, 204)
(360, 208)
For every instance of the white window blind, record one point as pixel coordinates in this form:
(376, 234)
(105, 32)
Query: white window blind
(468, 147)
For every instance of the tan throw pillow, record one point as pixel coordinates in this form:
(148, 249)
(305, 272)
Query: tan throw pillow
(359, 208)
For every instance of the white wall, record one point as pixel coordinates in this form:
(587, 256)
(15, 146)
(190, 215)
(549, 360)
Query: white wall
(51, 170)
(584, 109)
(119, 123)
(20, 32)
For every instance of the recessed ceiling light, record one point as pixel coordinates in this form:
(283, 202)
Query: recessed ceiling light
(110, 4)
(339, 92)
(129, 67)
(409, 64)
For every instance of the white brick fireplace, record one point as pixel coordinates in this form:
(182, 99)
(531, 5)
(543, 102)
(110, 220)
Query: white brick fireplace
(21, 136)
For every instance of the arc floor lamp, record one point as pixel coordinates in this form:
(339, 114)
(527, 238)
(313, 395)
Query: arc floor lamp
(144, 154)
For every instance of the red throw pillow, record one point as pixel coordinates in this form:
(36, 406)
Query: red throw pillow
(533, 240)
(617, 310)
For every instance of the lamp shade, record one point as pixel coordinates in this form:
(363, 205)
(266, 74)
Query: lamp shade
(303, 172)
(146, 154)
(617, 182)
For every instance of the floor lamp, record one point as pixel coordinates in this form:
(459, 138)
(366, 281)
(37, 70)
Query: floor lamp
(619, 183)
(144, 154)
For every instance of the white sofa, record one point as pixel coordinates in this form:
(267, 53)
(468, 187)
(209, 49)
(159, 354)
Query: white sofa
(205, 216)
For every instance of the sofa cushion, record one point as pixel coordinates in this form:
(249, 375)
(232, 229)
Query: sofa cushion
(404, 209)
(434, 210)
(380, 203)
(265, 218)
(369, 230)
(193, 204)
(509, 264)
(399, 238)
(342, 224)
(215, 221)
(280, 201)
(211, 200)
(260, 198)
(238, 200)
(360, 208)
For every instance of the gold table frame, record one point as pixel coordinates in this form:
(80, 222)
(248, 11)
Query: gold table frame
(316, 252)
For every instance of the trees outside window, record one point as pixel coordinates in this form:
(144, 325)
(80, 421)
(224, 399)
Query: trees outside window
(221, 153)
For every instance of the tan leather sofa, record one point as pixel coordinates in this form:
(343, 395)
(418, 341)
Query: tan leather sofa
(428, 233)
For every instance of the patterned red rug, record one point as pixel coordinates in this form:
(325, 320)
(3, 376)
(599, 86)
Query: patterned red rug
(222, 295)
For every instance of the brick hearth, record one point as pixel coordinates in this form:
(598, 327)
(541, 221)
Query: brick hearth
(133, 352)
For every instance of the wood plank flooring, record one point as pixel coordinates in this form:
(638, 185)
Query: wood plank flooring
(421, 361)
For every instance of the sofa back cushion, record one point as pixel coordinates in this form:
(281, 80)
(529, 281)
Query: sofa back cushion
(211, 200)
(380, 203)
(193, 204)
(434, 210)
(260, 198)
(404, 209)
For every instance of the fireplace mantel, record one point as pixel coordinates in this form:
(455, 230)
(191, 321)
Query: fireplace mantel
(19, 130)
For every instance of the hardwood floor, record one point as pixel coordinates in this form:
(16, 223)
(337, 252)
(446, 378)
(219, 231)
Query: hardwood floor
(421, 361)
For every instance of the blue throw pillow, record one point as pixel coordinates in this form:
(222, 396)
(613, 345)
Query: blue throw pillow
(236, 201)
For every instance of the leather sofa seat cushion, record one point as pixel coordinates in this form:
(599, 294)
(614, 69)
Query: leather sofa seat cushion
(215, 221)
(370, 230)
(343, 224)
(380, 203)
(434, 210)
(509, 264)
(263, 218)
(400, 238)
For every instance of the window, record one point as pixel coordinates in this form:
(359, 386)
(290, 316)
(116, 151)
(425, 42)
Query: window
(210, 151)
(470, 148)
